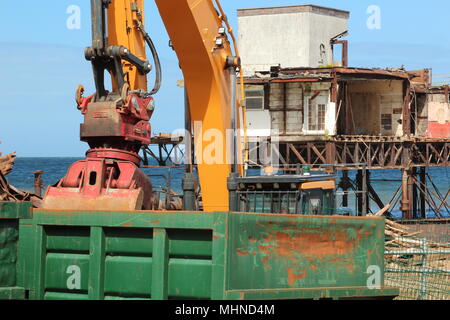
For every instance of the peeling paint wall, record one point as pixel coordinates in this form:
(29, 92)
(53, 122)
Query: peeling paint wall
(294, 107)
(288, 112)
(420, 104)
(276, 106)
(438, 116)
(289, 105)
(286, 107)
(376, 107)
(258, 120)
(305, 109)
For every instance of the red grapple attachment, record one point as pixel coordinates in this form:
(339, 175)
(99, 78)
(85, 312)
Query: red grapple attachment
(102, 184)
(115, 128)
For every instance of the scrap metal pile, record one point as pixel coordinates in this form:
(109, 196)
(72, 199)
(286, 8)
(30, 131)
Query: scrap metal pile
(401, 236)
(417, 259)
(7, 163)
(9, 192)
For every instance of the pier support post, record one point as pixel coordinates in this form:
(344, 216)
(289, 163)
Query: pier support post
(232, 189)
(405, 201)
(38, 183)
(345, 185)
(367, 187)
(361, 182)
(423, 200)
(415, 200)
(189, 201)
(407, 193)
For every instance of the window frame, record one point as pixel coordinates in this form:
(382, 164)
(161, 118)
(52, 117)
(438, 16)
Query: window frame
(262, 97)
(307, 108)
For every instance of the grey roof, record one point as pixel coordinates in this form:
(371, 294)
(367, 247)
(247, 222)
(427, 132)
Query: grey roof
(294, 9)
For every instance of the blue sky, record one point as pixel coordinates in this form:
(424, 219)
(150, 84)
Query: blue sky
(42, 62)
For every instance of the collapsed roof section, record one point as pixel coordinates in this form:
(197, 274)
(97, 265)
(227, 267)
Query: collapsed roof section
(420, 79)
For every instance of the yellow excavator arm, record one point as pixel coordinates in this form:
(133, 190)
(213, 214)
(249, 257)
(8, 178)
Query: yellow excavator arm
(198, 30)
(126, 28)
(199, 37)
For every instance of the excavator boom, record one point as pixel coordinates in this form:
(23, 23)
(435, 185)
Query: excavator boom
(116, 123)
(199, 38)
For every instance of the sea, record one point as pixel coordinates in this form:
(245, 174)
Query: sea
(385, 182)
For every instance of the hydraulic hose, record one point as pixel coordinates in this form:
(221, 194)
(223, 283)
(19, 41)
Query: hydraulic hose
(151, 45)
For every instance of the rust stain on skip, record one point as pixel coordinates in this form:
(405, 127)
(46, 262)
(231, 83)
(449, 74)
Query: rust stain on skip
(155, 221)
(314, 244)
(242, 253)
(266, 256)
(332, 246)
(293, 276)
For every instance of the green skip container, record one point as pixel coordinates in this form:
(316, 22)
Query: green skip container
(10, 215)
(197, 255)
